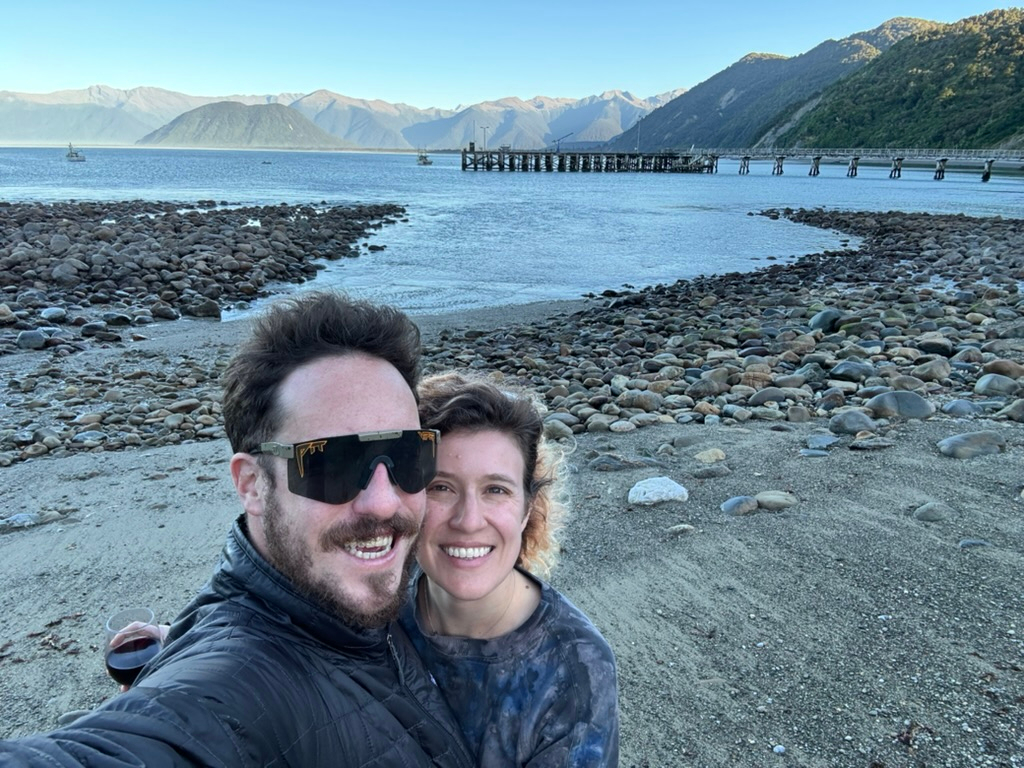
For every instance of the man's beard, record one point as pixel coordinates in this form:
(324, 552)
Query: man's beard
(292, 558)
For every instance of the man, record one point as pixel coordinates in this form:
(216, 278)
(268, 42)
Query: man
(290, 655)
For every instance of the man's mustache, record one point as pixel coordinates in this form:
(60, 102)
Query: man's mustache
(365, 528)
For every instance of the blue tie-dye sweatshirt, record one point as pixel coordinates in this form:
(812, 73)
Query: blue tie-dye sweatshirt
(543, 695)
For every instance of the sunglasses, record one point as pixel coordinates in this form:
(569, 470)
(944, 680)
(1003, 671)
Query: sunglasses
(335, 469)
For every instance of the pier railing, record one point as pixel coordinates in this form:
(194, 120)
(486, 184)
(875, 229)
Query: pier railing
(871, 153)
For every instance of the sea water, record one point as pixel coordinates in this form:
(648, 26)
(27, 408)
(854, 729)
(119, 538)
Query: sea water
(480, 239)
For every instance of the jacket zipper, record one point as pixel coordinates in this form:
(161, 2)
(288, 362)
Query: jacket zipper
(398, 663)
(466, 759)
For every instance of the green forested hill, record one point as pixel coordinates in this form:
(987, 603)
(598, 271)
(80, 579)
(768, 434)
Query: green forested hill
(961, 85)
(732, 108)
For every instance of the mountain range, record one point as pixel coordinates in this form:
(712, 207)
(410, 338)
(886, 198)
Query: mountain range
(101, 115)
(907, 82)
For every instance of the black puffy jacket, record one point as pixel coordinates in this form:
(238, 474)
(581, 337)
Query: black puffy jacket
(254, 674)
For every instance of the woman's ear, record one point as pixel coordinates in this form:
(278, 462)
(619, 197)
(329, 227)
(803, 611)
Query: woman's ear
(526, 518)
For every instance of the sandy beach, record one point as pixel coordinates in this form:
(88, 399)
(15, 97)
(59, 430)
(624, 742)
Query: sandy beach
(869, 613)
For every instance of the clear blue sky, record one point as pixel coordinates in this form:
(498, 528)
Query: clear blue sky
(438, 54)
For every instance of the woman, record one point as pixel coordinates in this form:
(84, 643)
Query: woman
(530, 679)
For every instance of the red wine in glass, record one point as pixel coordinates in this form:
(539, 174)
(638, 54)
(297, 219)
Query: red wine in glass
(126, 660)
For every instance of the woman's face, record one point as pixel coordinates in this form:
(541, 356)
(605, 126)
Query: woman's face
(476, 512)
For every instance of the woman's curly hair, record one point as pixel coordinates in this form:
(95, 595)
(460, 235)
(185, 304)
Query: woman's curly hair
(455, 402)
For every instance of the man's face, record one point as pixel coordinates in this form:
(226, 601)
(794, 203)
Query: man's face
(353, 557)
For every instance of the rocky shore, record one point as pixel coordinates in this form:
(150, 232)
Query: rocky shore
(74, 271)
(926, 315)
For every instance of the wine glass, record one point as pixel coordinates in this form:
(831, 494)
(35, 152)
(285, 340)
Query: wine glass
(133, 638)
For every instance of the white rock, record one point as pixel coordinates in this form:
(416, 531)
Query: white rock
(655, 490)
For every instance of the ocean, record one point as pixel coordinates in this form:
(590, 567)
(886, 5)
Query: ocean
(483, 239)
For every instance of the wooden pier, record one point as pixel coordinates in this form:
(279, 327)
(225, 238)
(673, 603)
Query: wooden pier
(504, 159)
(706, 160)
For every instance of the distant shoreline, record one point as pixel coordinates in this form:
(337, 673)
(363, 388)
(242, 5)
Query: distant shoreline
(1004, 165)
(347, 150)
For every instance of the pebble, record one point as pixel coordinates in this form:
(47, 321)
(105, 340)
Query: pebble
(1010, 368)
(28, 519)
(773, 501)
(995, 384)
(850, 423)
(972, 444)
(961, 407)
(798, 414)
(933, 512)
(32, 339)
(826, 320)
(739, 505)
(656, 490)
(968, 543)
(710, 456)
(852, 370)
(557, 430)
(681, 528)
(712, 471)
(871, 444)
(768, 395)
(900, 405)
(820, 442)
(933, 370)
(20, 520)
(609, 462)
(1014, 411)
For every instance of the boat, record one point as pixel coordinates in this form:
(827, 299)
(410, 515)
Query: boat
(74, 155)
(422, 159)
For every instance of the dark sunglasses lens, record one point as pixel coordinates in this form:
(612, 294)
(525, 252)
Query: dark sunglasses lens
(336, 472)
(413, 461)
(325, 474)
